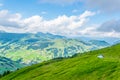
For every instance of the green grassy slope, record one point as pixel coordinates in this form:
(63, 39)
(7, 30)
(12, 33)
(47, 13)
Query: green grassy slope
(81, 67)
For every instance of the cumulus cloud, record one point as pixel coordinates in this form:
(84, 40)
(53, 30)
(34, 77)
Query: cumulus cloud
(63, 25)
(60, 25)
(93, 32)
(107, 29)
(104, 5)
(61, 2)
(109, 26)
(10, 20)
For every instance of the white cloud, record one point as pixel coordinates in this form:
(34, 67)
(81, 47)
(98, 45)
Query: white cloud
(105, 34)
(94, 31)
(10, 20)
(64, 25)
(108, 26)
(60, 25)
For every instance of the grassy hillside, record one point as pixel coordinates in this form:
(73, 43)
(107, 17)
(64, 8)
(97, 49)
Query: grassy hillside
(80, 67)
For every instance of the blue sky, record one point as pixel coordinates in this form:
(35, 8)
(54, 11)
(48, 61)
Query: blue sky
(35, 7)
(64, 17)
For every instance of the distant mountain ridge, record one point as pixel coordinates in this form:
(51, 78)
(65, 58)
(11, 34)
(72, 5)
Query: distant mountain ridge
(98, 42)
(117, 42)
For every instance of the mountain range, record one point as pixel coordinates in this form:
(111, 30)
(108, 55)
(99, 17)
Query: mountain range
(29, 48)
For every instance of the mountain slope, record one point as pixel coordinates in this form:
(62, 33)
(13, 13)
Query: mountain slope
(116, 42)
(98, 43)
(8, 65)
(88, 66)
